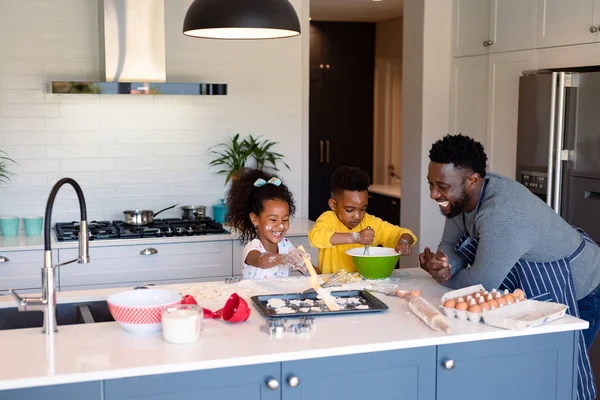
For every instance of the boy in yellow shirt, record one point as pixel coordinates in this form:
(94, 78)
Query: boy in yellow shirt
(347, 224)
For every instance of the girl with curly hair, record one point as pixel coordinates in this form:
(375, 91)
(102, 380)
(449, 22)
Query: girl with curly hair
(259, 209)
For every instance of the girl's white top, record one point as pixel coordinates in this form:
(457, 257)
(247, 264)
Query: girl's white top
(251, 272)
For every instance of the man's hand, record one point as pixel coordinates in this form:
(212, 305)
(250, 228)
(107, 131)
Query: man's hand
(436, 264)
(366, 237)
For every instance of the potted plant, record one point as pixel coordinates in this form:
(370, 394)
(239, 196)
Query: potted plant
(5, 174)
(238, 152)
(263, 156)
(233, 158)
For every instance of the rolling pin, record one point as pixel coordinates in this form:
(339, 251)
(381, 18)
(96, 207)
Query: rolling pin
(428, 313)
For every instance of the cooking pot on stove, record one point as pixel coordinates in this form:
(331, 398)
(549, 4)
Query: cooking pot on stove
(142, 217)
(193, 213)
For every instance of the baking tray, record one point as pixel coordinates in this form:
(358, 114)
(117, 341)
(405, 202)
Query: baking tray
(297, 303)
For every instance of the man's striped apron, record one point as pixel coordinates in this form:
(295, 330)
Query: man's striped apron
(545, 281)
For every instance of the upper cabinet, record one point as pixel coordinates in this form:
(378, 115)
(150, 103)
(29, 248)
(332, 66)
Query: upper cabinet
(471, 28)
(493, 26)
(563, 22)
(513, 25)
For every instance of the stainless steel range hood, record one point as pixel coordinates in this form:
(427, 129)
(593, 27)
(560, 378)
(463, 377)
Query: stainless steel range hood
(132, 53)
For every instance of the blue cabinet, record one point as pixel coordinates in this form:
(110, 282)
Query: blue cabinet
(399, 374)
(84, 390)
(254, 382)
(538, 367)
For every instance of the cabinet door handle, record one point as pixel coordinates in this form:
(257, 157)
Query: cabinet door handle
(150, 251)
(4, 259)
(272, 384)
(293, 381)
(488, 43)
(449, 364)
(394, 202)
(327, 151)
(327, 66)
(593, 29)
(321, 66)
(321, 151)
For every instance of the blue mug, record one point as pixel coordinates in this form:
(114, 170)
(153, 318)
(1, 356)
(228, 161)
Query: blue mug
(9, 226)
(33, 225)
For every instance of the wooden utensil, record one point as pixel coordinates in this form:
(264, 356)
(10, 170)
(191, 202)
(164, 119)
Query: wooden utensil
(314, 282)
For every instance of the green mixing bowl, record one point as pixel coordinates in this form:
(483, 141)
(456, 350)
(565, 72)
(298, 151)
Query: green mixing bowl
(378, 265)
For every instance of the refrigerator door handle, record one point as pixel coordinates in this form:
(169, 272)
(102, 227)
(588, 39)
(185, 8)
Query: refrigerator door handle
(551, 133)
(560, 129)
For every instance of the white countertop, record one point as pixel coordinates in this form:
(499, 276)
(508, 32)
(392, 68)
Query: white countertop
(298, 227)
(104, 351)
(392, 190)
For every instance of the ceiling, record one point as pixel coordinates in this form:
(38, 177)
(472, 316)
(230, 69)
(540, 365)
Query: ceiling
(355, 10)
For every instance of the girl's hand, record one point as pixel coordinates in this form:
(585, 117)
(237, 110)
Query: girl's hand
(296, 260)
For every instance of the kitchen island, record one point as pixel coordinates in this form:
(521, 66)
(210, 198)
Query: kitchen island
(391, 354)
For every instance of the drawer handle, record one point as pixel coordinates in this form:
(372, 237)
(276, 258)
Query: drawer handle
(449, 364)
(150, 251)
(293, 381)
(394, 202)
(4, 259)
(272, 384)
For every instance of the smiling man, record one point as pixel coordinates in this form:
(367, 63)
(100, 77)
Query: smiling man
(499, 234)
(348, 224)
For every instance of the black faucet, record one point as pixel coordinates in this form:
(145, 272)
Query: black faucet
(47, 303)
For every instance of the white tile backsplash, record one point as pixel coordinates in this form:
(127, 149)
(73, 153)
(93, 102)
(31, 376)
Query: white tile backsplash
(73, 124)
(21, 96)
(134, 151)
(86, 110)
(22, 124)
(29, 110)
(128, 150)
(73, 151)
(31, 138)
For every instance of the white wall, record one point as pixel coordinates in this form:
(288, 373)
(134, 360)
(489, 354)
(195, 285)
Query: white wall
(138, 151)
(426, 80)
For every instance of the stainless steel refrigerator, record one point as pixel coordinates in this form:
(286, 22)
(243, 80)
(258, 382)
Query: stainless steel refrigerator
(558, 143)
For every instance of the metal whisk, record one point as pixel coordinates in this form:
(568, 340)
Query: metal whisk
(337, 279)
(366, 252)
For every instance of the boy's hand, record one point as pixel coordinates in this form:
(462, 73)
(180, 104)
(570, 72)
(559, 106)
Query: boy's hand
(403, 247)
(366, 237)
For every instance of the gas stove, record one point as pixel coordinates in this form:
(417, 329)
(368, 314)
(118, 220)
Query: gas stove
(168, 227)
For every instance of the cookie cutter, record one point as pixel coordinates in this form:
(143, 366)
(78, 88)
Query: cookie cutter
(278, 326)
(232, 279)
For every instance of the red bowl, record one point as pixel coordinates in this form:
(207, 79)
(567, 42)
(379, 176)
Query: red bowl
(141, 310)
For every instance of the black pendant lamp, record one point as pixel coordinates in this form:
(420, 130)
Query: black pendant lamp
(241, 19)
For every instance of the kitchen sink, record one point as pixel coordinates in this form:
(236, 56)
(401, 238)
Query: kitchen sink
(66, 314)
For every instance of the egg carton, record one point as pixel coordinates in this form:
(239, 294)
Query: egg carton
(525, 314)
(464, 314)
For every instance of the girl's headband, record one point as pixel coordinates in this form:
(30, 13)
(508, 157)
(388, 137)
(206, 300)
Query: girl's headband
(261, 182)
